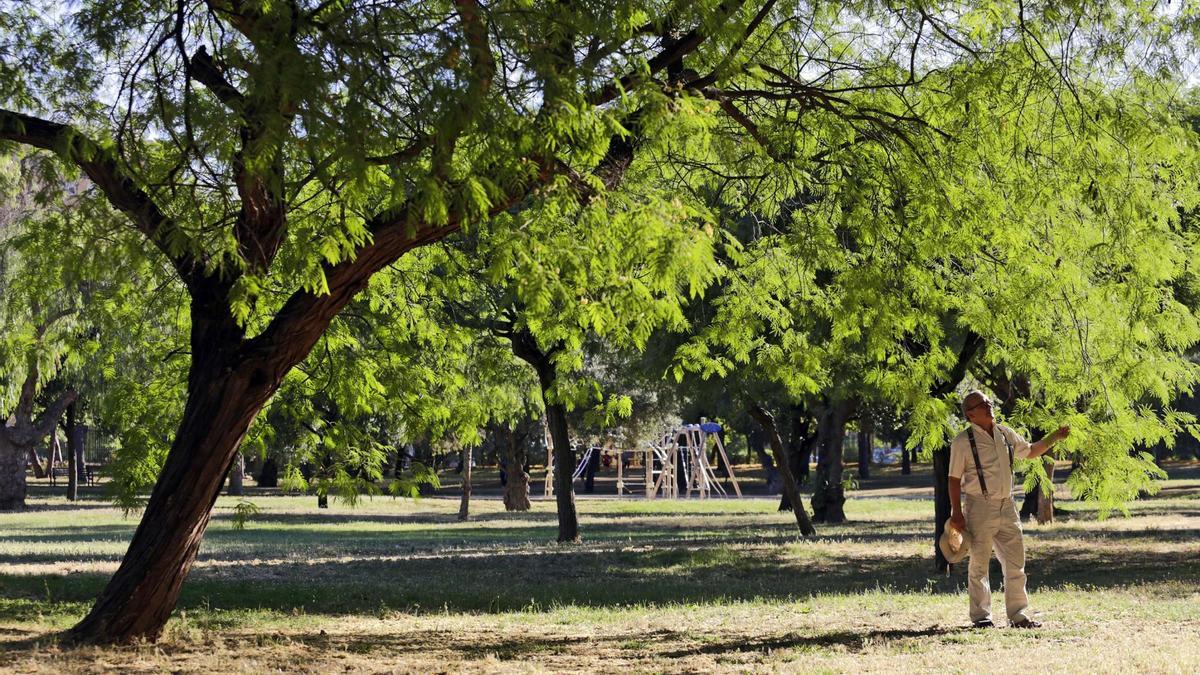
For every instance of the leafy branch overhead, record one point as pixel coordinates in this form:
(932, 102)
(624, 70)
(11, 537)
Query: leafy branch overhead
(821, 193)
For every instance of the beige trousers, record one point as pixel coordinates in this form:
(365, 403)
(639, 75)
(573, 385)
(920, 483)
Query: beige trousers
(993, 523)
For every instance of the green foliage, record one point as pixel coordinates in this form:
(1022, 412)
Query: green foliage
(410, 486)
(1050, 228)
(828, 196)
(243, 511)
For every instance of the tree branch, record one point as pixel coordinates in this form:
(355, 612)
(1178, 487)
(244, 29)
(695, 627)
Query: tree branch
(970, 348)
(100, 164)
(204, 70)
(49, 418)
(686, 44)
(712, 77)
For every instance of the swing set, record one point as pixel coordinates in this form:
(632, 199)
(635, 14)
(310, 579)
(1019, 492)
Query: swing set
(677, 466)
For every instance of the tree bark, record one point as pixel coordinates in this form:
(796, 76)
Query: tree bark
(941, 505)
(237, 475)
(829, 496)
(227, 387)
(19, 441)
(516, 491)
(905, 459)
(525, 347)
(799, 449)
(13, 460)
(790, 489)
(564, 466)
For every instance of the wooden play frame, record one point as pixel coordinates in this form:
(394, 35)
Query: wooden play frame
(681, 452)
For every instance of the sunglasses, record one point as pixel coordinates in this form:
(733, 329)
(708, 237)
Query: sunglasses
(983, 402)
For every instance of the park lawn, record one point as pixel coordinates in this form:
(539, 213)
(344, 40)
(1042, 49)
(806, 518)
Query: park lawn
(656, 586)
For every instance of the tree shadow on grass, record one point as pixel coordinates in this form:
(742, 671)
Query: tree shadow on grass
(853, 640)
(660, 643)
(506, 580)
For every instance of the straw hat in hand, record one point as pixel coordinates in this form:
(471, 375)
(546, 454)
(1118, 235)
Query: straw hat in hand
(955, 543)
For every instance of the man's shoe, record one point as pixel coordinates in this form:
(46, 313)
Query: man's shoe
(984, 623)
(1025, 623)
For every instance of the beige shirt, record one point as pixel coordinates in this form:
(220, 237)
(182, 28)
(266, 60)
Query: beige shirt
(993, 455)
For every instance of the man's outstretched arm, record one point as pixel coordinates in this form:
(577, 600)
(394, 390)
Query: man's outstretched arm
(1043, 446)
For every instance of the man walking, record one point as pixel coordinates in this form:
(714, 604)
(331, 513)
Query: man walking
(981, 484)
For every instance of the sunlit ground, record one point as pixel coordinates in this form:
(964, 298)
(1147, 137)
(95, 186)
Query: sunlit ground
(656, 586)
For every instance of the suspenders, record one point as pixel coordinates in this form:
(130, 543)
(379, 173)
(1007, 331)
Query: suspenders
(975, 454)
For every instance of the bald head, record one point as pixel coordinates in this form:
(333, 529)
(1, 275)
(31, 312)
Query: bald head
(977, 408)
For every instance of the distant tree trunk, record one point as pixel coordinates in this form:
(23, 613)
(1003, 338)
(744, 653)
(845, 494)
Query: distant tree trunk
(237, 474)
(526, 348)
(790, 489)
(516, 492)
(1038, 504)
(77, 439)
(74, 452)
(18, 443)
(864, 452)
(13, 459)
(1045, 514)
(589, 471)
(268, 475)
(905, 459)
(829, 496)
(941, 505)
(322, 500)
(464, 504)
(756, 442)
(799, 450)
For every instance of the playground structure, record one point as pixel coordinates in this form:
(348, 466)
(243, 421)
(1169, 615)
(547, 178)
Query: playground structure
(677, 466)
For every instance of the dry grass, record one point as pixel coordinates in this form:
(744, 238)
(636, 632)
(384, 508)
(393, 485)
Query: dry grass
(660, 587)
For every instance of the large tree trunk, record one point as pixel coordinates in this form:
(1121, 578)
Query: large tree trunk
(516, 491)
(237, 475)
(564, 467)
(13, 460)
(226, 390)
(829, 496)
(790, 489)
(526, 348)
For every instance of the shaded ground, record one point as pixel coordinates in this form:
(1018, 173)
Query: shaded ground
(657, 586)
